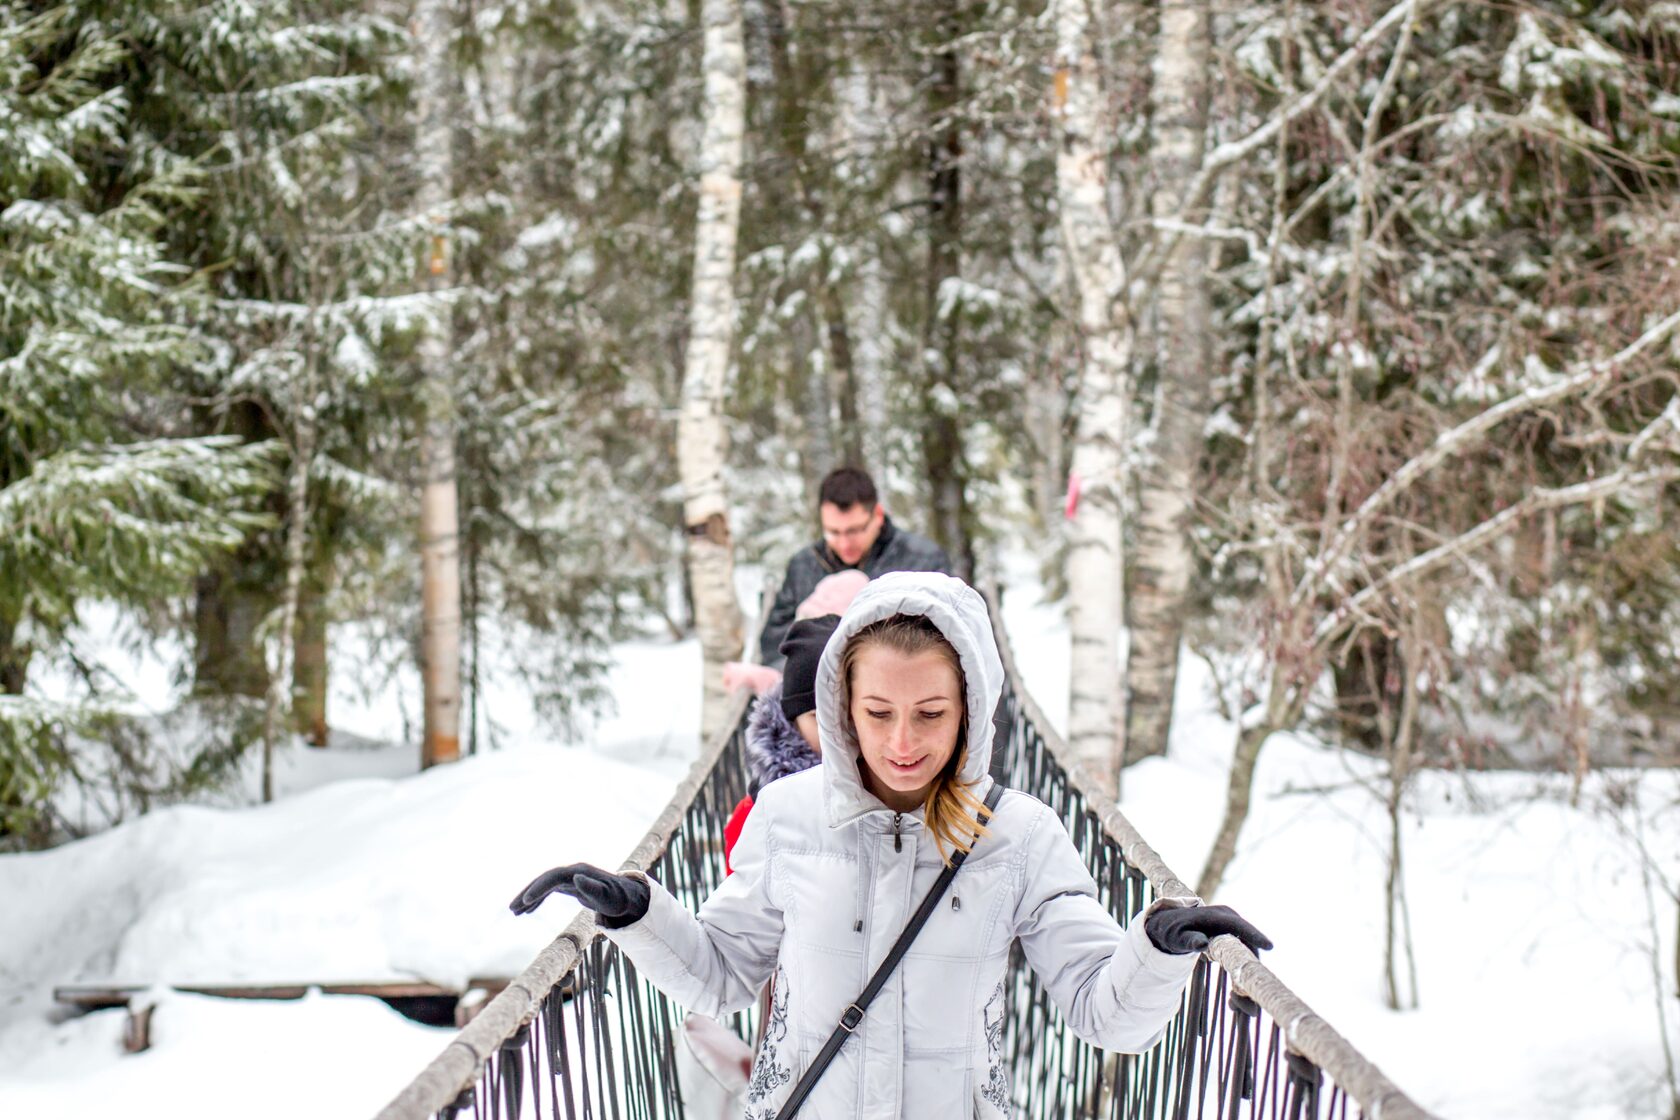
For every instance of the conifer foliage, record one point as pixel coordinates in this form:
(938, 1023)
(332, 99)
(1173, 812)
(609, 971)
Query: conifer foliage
(101, 496)
(1335, 239)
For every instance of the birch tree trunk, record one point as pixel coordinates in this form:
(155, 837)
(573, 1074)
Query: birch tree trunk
(440, 562)
(1095, 562)
(702, 442)
(1162, 562)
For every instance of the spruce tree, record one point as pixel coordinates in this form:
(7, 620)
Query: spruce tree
(101, 497)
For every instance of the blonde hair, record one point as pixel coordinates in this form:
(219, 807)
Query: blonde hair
(951, 809)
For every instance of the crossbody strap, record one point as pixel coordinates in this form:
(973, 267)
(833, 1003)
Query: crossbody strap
(853, 1015)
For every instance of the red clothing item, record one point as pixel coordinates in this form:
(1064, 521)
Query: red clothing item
(732, 831)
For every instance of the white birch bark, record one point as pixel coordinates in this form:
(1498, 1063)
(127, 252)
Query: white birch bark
(1161, 561)
(1095, 562)
(702, 441)
(440, 568)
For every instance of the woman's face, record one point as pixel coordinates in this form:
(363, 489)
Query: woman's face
(806, 722)
(908, 711)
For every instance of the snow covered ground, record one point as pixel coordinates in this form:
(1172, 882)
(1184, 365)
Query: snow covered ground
(1538, 945)
(361, 870)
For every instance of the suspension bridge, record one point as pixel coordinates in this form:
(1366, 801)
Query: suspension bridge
(580, 1035)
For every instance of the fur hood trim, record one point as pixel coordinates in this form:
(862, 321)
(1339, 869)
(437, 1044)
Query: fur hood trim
(774, 746)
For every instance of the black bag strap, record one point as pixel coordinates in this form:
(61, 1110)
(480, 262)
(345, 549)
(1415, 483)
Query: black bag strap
(853, 1015)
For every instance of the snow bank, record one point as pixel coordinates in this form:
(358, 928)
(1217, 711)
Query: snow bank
(318, 1056)
(362, 870)
(356, 880)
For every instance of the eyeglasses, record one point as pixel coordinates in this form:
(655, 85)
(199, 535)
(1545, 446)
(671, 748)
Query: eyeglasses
(857, 532)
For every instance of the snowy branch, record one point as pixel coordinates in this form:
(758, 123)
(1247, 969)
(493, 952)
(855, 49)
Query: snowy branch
(397, 312)
(1458, 438)
(134, 515)
(1235, 151)
(1256, 250)
(1501, 522)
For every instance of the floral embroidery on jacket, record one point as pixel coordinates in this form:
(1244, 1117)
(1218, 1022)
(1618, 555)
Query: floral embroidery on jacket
(769, 1074)
(995, 1091)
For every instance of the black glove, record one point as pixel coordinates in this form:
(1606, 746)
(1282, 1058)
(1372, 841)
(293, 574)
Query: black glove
(617, 900)
(1188, 929)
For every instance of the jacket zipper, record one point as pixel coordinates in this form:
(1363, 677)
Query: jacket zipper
(898, 839)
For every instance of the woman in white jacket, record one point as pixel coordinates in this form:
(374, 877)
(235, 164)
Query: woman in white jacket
(834, 860)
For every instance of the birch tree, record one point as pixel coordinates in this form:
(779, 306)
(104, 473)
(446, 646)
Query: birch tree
(1106, 292)
(1162, 563)
(1094, 559)
(702, 441)
(433, 30)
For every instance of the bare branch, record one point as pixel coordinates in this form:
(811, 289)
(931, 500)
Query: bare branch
(1211, 232)
(1235, 151)
(1458, 438)
(1501, 522)
(1353, 307)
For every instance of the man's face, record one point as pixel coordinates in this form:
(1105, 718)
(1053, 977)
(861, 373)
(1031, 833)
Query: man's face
(850, 532)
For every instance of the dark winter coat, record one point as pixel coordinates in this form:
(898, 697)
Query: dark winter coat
(895, 550)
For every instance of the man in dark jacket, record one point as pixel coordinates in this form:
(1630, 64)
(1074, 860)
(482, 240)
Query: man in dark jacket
(857, 533)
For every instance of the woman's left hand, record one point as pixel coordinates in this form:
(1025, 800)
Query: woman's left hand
(1189, 929)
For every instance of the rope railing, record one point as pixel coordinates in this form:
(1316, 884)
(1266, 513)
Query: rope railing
(1242, 1044)
(580, 1035)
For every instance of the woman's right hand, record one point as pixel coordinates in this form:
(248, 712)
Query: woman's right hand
(617, 900)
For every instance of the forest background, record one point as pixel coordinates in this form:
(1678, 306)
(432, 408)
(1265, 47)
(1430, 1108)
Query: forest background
(1332, 343)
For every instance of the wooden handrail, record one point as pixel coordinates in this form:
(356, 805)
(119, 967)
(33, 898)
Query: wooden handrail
(442, 1081)
(1305, 1030)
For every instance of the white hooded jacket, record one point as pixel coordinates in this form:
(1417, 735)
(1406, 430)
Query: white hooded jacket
(821, 891)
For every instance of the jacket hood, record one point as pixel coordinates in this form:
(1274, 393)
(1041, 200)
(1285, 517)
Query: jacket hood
(960, 614)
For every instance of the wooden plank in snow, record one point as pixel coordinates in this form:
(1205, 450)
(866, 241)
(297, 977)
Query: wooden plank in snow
(95, 997)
